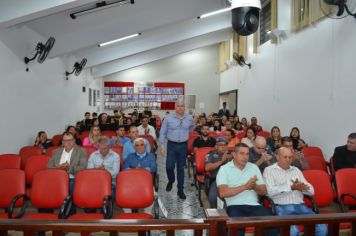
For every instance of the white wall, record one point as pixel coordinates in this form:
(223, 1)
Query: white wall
(197, 69)
(307, 80)
(40, 99)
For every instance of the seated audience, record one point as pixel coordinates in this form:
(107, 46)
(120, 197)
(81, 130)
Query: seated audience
(298, 143)
(250, 137)
(94, 115)
(213, 161)
(95, 122)
(261, 154)
(244, 123)
(238, 126)
(231, 139)
(71, 129)
(345, 156)
(129, 146)
(104, 123)
(223, 120)
(42, 141)
(240, 182)
(141, 158)
(92, 139)
(274, 141)
(286, 186)
(145, 128)
(204, 140)
(216, 127)
(128, 123)
(105, 159)
(227, 125)
(254, 124)
(202, 122)
(71, 159)
(298, 159)
(120, 139)
(86, 123)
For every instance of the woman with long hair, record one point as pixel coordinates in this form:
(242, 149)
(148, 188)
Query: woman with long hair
(92, 139)
(274, 141)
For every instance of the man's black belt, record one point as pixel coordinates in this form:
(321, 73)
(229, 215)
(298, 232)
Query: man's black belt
(177, 142)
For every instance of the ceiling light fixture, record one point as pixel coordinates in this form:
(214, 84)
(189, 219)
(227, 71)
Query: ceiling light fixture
(214, 13)
(100, 6)
(118, 40)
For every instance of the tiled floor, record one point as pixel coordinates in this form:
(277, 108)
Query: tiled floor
(176, 207)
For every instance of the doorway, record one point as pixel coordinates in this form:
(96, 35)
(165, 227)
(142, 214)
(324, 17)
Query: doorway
(231, 99)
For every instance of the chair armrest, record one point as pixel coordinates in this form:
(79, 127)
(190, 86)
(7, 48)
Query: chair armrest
(270, 202)
(156, 181)
(311, 199)
(342, 200)
(108, 207)
(11, 208)
(156, 208)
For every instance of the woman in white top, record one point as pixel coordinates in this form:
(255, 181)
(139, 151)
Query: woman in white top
(250, 137)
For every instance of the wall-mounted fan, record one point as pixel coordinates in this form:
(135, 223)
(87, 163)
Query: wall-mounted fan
(77, 68)
(241, 60)
(337, 9)
(42, 51)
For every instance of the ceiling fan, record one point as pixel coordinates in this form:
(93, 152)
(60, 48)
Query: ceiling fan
(241, 60)
(338, 9)
(77, 68)
(41, 51)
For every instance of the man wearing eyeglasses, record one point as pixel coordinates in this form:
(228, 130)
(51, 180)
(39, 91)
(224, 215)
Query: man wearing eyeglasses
(261, 154)
(140, 158)
(175, 129)
(70, 158)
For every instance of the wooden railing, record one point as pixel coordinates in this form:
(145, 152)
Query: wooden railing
(112, 226)
(217, 223)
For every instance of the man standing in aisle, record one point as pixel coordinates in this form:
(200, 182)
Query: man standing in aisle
(175, 129)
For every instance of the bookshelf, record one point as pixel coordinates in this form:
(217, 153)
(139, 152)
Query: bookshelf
(137, 95)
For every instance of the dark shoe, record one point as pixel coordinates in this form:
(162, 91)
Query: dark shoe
(169, 186)
(181, 195)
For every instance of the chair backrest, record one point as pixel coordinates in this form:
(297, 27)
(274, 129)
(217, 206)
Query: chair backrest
(200, 155)
(213, 134)
(134, 189)
(316, 162)
(89, 150)
(49, 188)
(12, 182)
(312, 151)
(323, 192)
(50, 150)
(344, 184)
(119, 150)
(34, 165)
(150, 140)
(28, 151)
(108, 133)
(264, 134)
(191, 138)
(240, 135)
(56, 139)
(10, 161)
(91, 187)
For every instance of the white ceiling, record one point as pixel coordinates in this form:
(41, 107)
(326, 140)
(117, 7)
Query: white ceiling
(167, 27)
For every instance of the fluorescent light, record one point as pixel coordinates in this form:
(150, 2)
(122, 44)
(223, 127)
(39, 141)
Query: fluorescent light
(214, 12)
(118, 40)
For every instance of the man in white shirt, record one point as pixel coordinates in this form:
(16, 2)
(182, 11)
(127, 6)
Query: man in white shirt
(286, 186)
(145, 128)
(70, 158)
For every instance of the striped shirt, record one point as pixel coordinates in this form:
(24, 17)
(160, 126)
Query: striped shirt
(279, 183)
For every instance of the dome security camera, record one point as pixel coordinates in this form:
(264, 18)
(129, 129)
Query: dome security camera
(245, 16)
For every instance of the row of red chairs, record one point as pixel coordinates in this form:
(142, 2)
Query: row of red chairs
(9, 161)
(134, 190)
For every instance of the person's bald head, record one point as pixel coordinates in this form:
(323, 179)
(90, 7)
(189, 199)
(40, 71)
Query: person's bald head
(260, 145)
(284, 157)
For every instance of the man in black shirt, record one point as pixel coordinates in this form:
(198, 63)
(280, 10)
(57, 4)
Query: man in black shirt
(345, 156)
(204, 140)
